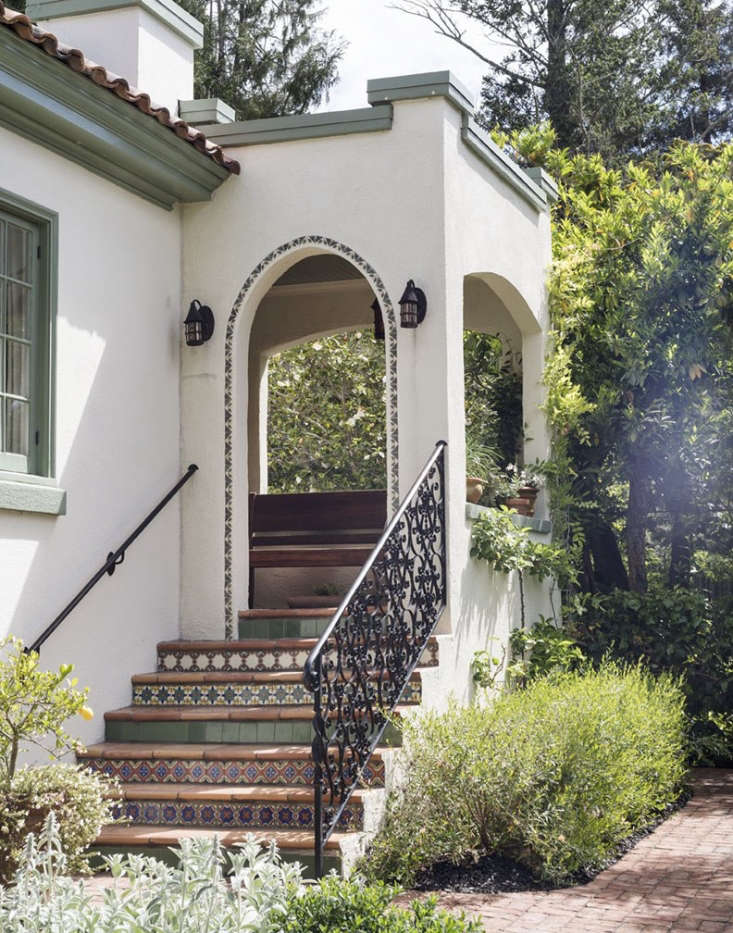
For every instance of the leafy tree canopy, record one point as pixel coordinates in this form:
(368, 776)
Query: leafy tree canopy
(615, 78)
(326, 415)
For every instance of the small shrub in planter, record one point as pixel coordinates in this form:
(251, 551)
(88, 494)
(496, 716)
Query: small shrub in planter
(78, 799)
(340, 906)
(554, 776)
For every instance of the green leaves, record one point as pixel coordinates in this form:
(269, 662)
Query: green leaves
(327, 416)
(34, 705)
(555, 776)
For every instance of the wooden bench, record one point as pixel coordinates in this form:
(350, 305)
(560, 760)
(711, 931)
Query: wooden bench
(319, 529)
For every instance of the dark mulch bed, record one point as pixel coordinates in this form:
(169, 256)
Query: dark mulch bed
(495, 874)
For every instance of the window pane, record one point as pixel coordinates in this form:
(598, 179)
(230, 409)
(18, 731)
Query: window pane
(18, 310)
(17, 368)
(15, 434)
(3, 226)
(18, 253)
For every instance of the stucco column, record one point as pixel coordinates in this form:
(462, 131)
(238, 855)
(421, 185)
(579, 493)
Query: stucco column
(431, 408)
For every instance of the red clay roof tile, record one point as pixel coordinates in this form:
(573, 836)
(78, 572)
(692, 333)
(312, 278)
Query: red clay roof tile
(76, 60)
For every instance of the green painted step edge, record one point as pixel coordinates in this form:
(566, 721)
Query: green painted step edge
(292, 732)
(167, 854)
(283, 627)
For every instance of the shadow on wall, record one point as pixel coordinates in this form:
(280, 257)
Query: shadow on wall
(118, 466)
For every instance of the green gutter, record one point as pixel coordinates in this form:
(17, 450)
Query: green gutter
(505, 167)
(302, 126)
(43, 99)
(414, 87)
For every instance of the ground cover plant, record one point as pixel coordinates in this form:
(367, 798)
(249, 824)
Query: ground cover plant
(554, 776)
(212, 890)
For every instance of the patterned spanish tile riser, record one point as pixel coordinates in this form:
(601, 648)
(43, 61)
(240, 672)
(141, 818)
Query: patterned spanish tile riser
(298, 732)
(168, 856)
(254, 815)
(274, 659)
(176, 771)
(237, 694)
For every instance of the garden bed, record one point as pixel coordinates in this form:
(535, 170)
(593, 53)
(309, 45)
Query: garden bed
(496, 874)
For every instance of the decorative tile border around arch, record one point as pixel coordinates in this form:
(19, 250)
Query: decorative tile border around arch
(328, 245)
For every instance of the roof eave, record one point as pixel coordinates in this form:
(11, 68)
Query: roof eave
(46, 101)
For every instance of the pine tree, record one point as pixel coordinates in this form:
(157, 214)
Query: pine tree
(618, 78)
(264, 57)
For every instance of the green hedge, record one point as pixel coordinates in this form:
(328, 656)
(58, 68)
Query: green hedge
(554, 776)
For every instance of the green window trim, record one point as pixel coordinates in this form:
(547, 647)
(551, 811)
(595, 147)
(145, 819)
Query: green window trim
(44, 226)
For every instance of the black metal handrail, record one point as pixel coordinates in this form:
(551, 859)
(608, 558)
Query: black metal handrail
(363, 661)
(114, 559)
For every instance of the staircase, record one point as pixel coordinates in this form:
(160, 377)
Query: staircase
(218, 742)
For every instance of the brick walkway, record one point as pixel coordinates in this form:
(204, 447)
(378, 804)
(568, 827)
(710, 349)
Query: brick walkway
(678, 878)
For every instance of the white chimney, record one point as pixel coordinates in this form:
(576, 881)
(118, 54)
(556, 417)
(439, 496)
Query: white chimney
(148, 42)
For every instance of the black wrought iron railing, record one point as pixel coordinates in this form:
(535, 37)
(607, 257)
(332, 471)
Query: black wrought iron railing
(114, 559)
(363, 661)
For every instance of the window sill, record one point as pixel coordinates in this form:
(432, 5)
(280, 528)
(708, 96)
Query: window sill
(540, 526)
(32, 494)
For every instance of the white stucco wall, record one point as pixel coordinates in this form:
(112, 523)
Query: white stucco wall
(413, 202)
(132, 43)
(117, 432)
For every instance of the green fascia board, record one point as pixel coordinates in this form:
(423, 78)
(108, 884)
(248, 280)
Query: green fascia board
(301, 126)
(43, 99)
(32, 497)
(417, 86)
(208, 110)
(505, 167)
(539, 526)
(548, 184)
(167, 11)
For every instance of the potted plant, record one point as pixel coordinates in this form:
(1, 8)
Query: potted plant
(480, 467)
(325, 596)
(523, 488)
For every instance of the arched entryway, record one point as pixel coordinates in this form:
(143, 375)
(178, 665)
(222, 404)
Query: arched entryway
(315, 257)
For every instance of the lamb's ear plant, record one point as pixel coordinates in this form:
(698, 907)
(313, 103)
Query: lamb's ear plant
(34, 705)
(245, 891)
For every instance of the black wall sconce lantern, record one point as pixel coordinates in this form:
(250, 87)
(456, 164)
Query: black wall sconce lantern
(378, 320)
(413, 305)
(199, 324)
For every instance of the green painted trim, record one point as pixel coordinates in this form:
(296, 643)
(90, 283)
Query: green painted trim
(506, 168)
(43, 99)
(415, 87)
(540, 526)
(208, 110)
(32, 497)
(47, 224)
(301, 126)
(167, 11)
(540, 177)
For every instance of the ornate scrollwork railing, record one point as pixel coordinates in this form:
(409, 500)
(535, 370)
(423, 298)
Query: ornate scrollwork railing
(363, 661)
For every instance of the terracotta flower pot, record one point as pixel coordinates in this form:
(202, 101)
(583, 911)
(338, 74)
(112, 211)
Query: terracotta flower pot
(474, 489)
(524, 503)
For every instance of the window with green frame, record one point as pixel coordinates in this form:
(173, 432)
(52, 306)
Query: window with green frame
(26, 325)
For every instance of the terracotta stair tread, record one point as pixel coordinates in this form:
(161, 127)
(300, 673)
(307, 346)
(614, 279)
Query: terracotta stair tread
(233, 677)
(193, 751)
(209, 713)
(287, 613)
(310, 555)
(170, 836)
(248, 644)
(222, 792)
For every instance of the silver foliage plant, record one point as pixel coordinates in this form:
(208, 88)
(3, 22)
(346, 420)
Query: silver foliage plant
(210, 891)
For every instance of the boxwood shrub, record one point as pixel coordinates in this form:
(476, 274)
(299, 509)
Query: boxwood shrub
(554, 776)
